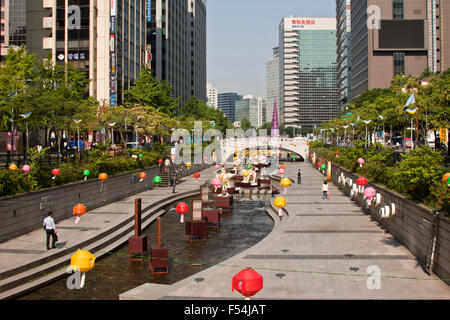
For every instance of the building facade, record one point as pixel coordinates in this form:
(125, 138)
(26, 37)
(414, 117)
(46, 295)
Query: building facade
(227, 103)
(395, 37)
(262, 111)
(212, 98)
(103, 39)
(308, 71)
(343, 43)
(248, 107)
(176, 38)
(13, 25)
(272, 83)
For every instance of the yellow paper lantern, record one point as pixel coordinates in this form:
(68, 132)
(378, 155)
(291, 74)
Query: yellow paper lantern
(12, 167)
(279, 202)
(82, 260)
(188, 164)
(285, 182)
(234, 158)
(245, 173)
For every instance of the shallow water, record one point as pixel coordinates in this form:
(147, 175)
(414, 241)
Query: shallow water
(246, 225)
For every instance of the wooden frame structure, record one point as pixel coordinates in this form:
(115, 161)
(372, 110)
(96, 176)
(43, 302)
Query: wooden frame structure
(196, 227)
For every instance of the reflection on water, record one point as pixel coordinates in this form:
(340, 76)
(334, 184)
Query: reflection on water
(246, 225)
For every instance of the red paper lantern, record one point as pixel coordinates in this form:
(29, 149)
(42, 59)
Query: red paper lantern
(282, 166)
(182, 208)
(319, 164)
(196, 175)
(248, 282)
(160, 161)
(361, 181)
(56, 172)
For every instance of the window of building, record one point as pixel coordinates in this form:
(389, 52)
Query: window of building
(399, 63)
(398, 9)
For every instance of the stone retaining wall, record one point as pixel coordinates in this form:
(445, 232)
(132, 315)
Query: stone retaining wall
(412, 223)
(23, 213)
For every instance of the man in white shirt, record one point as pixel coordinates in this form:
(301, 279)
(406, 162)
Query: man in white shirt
(50, 229)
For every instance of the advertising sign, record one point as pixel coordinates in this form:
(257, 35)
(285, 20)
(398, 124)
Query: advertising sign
(113, 8)
(111, 43)
(149, 10)
(112, 100)
(113, 25)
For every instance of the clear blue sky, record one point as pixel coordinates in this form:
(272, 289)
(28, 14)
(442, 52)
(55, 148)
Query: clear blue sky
(241, 35)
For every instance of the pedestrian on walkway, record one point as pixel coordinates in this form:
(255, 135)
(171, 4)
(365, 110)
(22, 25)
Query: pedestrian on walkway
(50, 229)
(299, 176)
(173, 172)
(166, 165)
(325, 190)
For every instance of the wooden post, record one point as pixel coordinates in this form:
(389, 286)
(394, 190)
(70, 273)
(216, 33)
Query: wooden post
(158, 232)
(137, 217)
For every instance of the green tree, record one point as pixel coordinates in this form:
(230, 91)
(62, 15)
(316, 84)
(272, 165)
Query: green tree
(245, 124)
(148, 91)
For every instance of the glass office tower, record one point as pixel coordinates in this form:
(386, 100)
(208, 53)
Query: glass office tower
(317, 74)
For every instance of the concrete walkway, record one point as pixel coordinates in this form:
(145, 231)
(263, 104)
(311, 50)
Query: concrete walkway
(26, 257)
(324, 249)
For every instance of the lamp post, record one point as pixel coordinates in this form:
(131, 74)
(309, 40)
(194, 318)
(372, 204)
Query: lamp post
(26, 116)
(345, 134)
(367, 122)
(382, 118)
(77, 122)
(112, 132)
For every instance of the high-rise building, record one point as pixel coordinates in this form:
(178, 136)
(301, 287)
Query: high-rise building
(272, 83)
(395, 37)
(226, 102)
(13, 21)
(212, 96)
(308, 85)
(176, 38)
(262, 111)
(343, 36)
(103, 39)
(248, 108)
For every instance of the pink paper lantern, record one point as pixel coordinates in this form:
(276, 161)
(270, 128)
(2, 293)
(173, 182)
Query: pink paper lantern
(360, 161)
(281, 171)
(26, 168)
(217, 166)
(216, 182)
(370, 192)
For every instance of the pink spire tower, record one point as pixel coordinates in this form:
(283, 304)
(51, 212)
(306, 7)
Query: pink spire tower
(275, 128)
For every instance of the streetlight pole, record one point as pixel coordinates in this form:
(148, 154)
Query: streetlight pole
(77, 121)
(112, 132)
(26, 116)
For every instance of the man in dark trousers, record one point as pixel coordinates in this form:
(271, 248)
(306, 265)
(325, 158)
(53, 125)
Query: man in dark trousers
(173, 175)
(299, 176)
(50, 229)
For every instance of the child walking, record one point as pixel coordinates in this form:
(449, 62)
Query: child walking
(325, 190)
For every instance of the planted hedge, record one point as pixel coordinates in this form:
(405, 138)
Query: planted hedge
(40, 174)
(417, 176)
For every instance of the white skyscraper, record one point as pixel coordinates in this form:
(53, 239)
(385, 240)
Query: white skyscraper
(212, 94)
(307, 64)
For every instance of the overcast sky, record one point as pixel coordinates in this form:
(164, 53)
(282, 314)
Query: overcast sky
(241, 35)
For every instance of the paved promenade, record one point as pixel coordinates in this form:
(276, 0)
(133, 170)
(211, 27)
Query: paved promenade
(322, 250)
